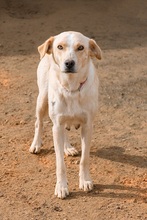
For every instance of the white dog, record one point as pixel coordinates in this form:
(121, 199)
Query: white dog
(68, 89)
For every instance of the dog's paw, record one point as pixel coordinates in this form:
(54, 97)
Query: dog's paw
(61, 190)
(70, 151)
(86, 185)
(35, 149)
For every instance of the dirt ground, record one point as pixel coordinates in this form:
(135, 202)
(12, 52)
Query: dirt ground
(119, 145)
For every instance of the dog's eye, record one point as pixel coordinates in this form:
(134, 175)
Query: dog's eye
(81, 47)
(60, 47)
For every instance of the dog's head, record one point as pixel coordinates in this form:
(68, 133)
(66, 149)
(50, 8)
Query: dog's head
(70, 51)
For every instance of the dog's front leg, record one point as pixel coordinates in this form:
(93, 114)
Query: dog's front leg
(61, 189)
(85, 180)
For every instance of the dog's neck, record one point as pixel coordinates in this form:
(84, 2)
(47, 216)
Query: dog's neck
(76, 90)
(81, 85)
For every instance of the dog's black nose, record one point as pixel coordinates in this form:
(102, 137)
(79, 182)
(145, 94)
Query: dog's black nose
(69, 64)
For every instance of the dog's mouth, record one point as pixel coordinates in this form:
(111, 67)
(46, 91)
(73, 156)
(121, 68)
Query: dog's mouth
(69, 71)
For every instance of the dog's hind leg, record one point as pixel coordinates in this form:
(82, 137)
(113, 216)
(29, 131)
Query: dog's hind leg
(69, 150)
(41, 109)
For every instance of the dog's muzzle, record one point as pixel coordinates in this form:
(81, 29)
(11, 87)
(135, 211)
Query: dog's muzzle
(69, 66)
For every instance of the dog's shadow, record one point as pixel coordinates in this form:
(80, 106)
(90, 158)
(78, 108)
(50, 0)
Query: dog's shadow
(117, 154)
(112, 191)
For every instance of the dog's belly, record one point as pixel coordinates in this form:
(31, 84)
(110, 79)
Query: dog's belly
(75, 120)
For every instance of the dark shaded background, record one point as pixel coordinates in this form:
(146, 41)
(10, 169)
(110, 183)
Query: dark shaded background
(121, 24)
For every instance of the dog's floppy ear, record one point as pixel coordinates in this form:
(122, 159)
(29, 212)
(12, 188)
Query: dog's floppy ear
(46, 47)
(95, 50)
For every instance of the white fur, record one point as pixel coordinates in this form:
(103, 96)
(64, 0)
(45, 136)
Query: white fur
(70, 98)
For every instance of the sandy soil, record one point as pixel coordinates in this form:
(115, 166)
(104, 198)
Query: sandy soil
(119, 144)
